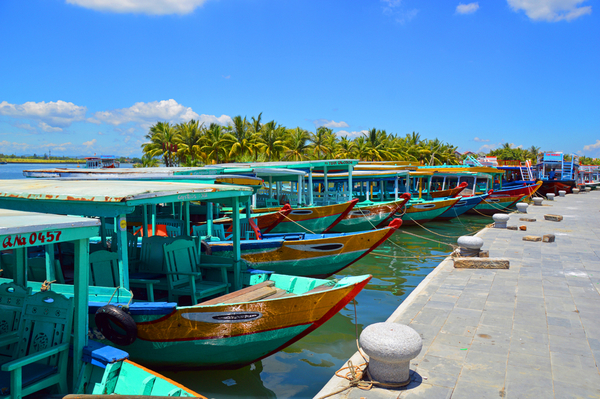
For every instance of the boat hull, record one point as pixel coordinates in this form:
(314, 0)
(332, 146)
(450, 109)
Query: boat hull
(495, 204)
(554, 186)
(318, 219)
(461, 207)
(368, 217)
(311, 255)
(424, 211)
(238, 334)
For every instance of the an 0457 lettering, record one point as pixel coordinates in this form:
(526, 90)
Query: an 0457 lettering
(20, 240)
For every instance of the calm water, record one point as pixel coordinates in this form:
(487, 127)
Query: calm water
(303, 368)
(15, 170)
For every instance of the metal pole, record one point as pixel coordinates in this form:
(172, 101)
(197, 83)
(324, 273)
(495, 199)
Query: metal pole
(80, 316)
(310, 187)
(123, 256)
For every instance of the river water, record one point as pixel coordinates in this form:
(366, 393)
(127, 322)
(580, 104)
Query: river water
(302, 369)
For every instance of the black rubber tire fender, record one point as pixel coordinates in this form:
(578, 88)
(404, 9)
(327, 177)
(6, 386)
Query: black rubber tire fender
(110, 314)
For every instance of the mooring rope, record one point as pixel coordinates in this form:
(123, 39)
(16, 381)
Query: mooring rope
(293, 221)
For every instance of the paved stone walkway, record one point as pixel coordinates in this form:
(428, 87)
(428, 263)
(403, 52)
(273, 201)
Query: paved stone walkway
(532, 331)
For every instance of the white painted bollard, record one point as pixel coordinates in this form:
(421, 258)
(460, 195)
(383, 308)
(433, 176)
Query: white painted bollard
(390, 347)
(575, 191)
(537, 201)
(588, 189)
(469, 246)
(500, 220)
(562, 193)
(550, 197)
(522, 207)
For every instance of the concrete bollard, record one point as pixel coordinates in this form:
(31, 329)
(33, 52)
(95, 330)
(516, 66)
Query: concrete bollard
(537, 201)
(390, 347)
(500, 220)
(562, 193)
(550, 197)
(588, 189)
(522, 207)
(469, 246)
(575, 191)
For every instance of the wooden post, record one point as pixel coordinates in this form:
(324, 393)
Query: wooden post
(350, 169)
(237, 283)
(325, 192)
(396, 189)
(20, 273)
(187, 218)
(310, 187)
(123, 256)
(80, 311)
(145, 222)
(50, 271)
(209, 218)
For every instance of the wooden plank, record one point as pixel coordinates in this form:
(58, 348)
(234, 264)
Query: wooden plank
(280, 294)
(320, 288)
(255, 295)
(237, 293)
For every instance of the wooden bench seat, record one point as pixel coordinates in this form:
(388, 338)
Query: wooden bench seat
(232, 297)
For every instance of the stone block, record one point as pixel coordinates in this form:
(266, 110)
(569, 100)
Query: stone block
(548, 238)
(512, 227)
(553, 218)
(532, 238)
(484, 254)
(481, 263)
(500, 220)
(523, 228)
(522, 207)
(527, 219)
(390, 347)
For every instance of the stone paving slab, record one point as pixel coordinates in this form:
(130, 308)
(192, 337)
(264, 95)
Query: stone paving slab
(532, 331)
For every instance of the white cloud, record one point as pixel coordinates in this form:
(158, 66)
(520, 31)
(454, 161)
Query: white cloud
(89, 143)
(394, 9)
(150, 7)
(51, 114)
(480, 140)
(47, 128)
(551, 10)
(488, 147)
(223, 120)
(351, 135)
(147, 113)
(467, 8)
(329, 124)
(591, 147)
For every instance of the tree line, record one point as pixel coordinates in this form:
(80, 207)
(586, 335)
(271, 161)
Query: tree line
(194, 144)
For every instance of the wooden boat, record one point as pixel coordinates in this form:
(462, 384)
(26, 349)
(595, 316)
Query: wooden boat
(369, 216)
(302, 254)
(464, 205)
(419, 211)
(450, 193)
(315, 219)
(40, 359)
(556, 173)
(265, 312)
(496, 204)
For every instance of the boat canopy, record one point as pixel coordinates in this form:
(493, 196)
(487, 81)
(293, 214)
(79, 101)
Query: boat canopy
(70, 172)
(109, 198)
(323, 166)
(363, 175)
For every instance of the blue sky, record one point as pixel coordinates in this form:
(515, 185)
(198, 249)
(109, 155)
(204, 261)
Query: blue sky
(90, 76)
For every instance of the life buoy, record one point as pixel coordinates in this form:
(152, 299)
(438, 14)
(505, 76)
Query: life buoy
(109, 316)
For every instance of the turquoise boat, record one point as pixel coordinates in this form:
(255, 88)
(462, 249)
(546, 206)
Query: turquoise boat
(40, 360)
(223, 305)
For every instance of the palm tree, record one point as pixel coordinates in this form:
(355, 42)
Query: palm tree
(189, 141)
(377, 142)
(245, 139)
(216, 143)
(272, 140)
(320, 143)
(163, 138)
(362, 148)
(297, 145)
(345, 149)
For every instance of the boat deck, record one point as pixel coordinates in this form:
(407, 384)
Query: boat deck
(532, 331)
